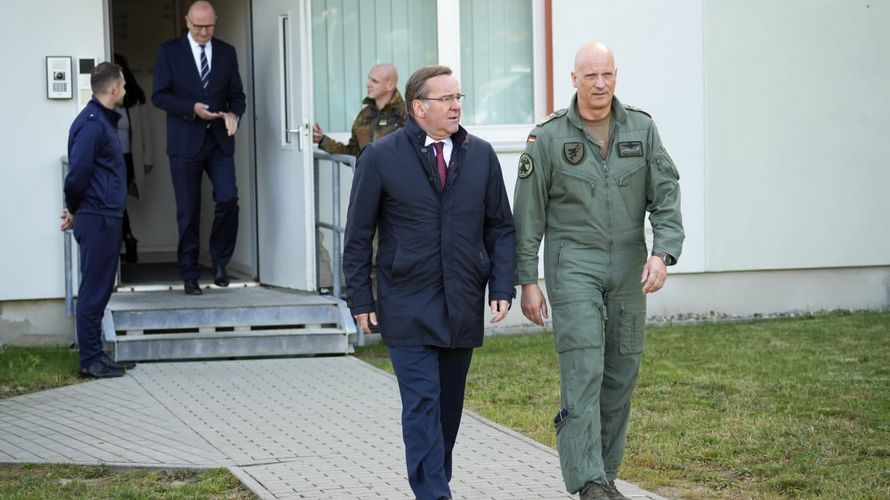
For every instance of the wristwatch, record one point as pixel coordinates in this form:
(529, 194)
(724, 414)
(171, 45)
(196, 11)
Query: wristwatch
(666, 257)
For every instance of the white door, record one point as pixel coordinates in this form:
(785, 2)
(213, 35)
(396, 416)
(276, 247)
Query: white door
(285, 185)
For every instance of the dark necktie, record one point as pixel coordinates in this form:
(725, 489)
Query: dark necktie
(205, 69)
(440, 161)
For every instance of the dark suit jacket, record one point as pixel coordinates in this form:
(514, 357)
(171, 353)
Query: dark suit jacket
(177, 87)
(437, 249)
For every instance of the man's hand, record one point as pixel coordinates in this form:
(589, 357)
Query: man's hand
(317, 134)
(534, 305)
(654, 274)
(231, 122)
(202, 112)
(499, 310)
(365, 320)
(67, 220)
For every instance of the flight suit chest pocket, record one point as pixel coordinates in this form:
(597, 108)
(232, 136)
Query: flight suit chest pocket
(575, 190)
(631, 185)
(577, 325)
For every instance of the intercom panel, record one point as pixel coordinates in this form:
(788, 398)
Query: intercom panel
(59, 78)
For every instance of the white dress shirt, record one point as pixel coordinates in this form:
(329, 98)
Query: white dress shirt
(196, 52)
(446, 149)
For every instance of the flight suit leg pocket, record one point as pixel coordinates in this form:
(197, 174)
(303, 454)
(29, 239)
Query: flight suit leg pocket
(632, 327)
(578, 325)
(572, 437)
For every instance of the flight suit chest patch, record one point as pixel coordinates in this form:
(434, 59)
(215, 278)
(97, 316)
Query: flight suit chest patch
(630, 149)
(573, 152)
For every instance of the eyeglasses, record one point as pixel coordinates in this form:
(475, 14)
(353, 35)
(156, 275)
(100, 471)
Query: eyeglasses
(445, 99)
(201, 27)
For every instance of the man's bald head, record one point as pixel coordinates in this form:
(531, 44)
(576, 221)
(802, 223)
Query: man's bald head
(381, 85)
(201, 21)
(201, 7)
(594, 52)
(594, 77)
(387, 72)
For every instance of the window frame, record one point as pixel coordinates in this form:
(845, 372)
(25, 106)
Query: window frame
(503, 137)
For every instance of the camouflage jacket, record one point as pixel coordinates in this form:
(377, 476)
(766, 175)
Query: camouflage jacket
(370, 124)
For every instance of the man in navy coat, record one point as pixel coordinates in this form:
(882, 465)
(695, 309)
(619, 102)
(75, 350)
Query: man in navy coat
(196, 82)
(436, 194)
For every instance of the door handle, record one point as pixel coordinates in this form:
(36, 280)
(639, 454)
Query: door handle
(299, 133)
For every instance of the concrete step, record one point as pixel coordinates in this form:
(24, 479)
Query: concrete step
(242, 322)
(309, 341)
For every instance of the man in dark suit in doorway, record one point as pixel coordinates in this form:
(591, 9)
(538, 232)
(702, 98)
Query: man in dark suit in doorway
(196, 82)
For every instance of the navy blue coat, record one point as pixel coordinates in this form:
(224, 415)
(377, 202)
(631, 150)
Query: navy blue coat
(177, 87)
(97, 175)
(436, 250)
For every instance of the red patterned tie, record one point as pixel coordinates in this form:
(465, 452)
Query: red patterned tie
(440, 161)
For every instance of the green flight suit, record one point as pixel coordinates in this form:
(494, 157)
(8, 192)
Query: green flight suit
(591, 213)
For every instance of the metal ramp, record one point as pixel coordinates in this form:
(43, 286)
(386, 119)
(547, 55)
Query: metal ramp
(225, 323)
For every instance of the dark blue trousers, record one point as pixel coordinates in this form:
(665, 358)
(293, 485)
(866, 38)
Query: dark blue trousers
(431, 383)
(99, 238)
(187, 174)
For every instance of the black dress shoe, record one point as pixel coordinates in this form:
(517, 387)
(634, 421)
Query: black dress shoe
(220, 277)
(98, 369)
(192, 288)
(116, 365)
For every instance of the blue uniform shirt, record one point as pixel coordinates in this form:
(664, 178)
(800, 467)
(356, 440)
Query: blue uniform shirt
(97, 178)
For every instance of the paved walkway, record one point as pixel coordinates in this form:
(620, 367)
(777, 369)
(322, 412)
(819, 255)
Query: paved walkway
(288, 428)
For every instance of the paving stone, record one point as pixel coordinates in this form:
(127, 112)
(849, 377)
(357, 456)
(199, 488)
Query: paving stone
(325, 427)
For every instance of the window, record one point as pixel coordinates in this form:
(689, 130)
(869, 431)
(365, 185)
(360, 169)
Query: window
(496, 61)
(493, 48)
(351, 36)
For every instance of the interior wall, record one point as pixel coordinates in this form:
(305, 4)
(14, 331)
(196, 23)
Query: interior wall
(140, 26)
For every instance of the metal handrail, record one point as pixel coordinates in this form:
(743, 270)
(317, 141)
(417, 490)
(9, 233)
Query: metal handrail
(337, 162)
(69, 257)
(335, 226)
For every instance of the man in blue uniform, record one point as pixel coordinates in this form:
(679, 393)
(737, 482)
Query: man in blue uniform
(95, 197)
(436, 195)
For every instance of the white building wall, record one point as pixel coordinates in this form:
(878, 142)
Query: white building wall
(33, 137)
(798, 156)
(658, 53)
(775, 116)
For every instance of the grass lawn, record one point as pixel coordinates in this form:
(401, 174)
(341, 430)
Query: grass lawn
(767, 409)
(77, 482)
(30, 369)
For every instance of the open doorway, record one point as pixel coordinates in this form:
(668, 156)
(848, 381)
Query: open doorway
(273, 150)
(137, 29)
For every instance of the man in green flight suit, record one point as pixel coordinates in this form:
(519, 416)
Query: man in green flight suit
(384, 112)
(587, 177)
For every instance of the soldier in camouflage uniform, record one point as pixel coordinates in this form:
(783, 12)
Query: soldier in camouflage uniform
(587, 177)
(384, 112)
